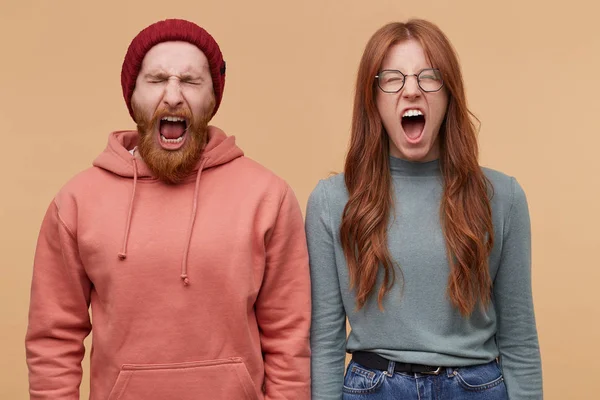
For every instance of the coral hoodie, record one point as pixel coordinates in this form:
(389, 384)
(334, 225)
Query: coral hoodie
(198, 290)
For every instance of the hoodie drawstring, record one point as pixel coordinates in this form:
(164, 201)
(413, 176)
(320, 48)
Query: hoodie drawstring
(184, 276)
(123, 254)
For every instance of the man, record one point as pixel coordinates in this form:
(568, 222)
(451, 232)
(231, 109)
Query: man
(192, 257)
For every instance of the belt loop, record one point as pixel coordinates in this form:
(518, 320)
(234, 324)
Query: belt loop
(391, 368)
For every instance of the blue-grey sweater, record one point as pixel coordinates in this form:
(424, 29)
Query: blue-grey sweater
(419, 324)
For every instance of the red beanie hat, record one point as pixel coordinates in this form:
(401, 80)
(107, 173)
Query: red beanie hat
(167, 31)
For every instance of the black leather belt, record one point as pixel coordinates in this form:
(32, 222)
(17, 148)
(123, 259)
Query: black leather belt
(374, 361)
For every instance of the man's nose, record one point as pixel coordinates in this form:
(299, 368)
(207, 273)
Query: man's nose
(173, 97)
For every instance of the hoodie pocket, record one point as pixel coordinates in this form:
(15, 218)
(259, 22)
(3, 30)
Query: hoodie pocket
(216, 379)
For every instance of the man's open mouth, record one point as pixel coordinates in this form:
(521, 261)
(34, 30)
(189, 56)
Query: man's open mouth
(172, 129)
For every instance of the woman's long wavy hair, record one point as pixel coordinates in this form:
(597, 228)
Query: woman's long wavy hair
(466, 216)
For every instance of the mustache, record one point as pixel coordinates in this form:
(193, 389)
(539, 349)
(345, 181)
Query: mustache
(144, 121)
(165, 111)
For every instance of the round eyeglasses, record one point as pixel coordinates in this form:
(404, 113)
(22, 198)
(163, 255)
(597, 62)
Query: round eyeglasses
(392, 81)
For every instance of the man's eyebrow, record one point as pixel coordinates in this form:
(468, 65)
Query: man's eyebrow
(156, 75)
(188, 76)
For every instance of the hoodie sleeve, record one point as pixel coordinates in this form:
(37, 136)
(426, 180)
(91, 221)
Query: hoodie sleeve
(283, 306)
(58, 313)
(517, 334)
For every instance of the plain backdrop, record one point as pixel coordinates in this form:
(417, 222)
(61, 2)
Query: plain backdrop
(531, 72)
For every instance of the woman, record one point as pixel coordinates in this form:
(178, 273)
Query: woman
(425, 252)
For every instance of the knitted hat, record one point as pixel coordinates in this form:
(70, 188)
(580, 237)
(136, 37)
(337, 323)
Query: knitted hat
(166, 31)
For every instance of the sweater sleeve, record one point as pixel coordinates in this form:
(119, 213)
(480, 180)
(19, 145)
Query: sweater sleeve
(58, 313)
(283, 306)
(517, 334)
(328, 330)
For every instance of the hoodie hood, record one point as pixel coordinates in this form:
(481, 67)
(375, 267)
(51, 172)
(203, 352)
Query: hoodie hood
(116, 158)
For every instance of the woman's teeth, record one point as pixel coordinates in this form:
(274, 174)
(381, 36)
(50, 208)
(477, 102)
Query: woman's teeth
(412, 113)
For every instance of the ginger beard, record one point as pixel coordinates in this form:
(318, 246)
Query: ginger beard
(172, 166)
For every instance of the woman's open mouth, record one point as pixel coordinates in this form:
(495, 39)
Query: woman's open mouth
(413, 124)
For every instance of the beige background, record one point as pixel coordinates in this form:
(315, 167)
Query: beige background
(531, 70)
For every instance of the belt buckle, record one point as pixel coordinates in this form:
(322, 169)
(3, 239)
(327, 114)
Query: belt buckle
(436, 372)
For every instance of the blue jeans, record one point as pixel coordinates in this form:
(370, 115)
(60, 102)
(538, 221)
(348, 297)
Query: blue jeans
(480, 382)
